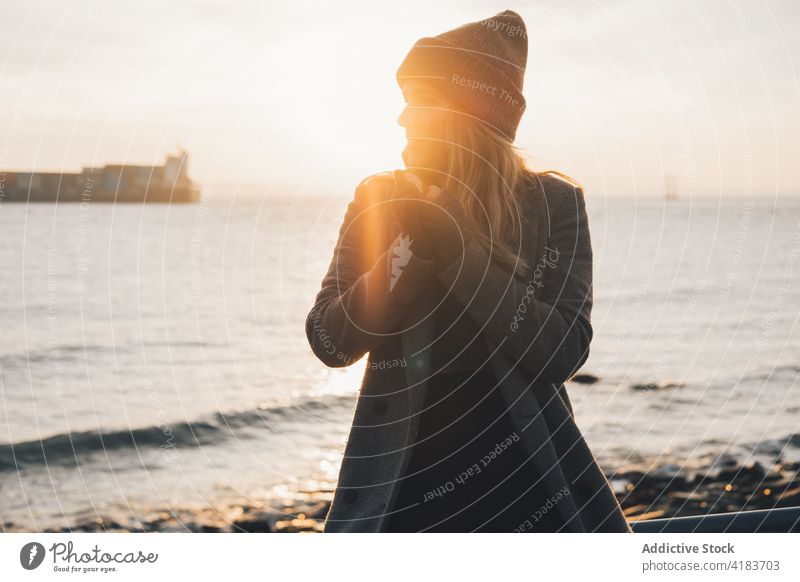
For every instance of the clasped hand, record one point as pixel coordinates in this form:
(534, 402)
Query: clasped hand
(433, 219)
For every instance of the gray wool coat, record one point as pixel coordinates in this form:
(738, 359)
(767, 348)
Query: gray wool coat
(537, 330)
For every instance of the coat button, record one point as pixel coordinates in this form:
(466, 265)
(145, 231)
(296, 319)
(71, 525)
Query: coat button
(379, 407)
(349, 495)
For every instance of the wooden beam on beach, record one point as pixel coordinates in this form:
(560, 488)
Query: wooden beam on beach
(782, 520)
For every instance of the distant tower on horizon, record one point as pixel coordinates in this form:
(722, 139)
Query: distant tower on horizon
(670, 187)
(176, 171)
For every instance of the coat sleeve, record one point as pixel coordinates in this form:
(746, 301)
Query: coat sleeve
(544, 323)
(367, 289)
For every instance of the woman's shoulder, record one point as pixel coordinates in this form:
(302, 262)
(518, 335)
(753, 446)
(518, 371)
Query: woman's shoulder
(552, 183)
(377, 184)
(554, 188)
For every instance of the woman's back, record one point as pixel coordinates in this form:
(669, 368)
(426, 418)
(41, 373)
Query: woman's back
(467, 470)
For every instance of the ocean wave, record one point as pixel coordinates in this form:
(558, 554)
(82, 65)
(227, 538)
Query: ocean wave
(81, 351)
(55, 352)
(69, 448)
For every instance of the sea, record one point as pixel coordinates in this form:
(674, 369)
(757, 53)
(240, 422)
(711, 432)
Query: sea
(155, 356)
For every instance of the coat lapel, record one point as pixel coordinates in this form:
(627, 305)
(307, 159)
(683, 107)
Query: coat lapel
(515, 388)
(416, 342)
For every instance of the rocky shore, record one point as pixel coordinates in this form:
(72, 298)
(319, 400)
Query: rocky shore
(674, 491)
(644, 493)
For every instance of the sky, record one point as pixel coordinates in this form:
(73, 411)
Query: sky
(301, 95)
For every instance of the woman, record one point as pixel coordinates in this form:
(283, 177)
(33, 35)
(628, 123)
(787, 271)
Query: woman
(467, 278)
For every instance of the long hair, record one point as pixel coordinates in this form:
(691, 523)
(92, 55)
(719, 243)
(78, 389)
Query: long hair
(487, 173)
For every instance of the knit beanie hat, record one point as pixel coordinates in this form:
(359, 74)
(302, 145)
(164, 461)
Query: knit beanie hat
(480, 66)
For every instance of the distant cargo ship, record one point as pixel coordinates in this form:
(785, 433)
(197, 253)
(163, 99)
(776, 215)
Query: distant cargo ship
(111, 183)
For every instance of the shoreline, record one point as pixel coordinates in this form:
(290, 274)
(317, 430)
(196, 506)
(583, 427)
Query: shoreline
(666, 490)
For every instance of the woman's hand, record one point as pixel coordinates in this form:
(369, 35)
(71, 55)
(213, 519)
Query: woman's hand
(408, 204)
(444, 218)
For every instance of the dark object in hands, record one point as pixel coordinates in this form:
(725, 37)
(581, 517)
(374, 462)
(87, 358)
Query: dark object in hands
(408, 203)
(445, 221)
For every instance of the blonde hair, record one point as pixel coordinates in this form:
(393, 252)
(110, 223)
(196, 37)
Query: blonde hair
(486, 172)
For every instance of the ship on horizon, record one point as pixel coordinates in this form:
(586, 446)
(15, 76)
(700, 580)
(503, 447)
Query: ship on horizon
(111, 183)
